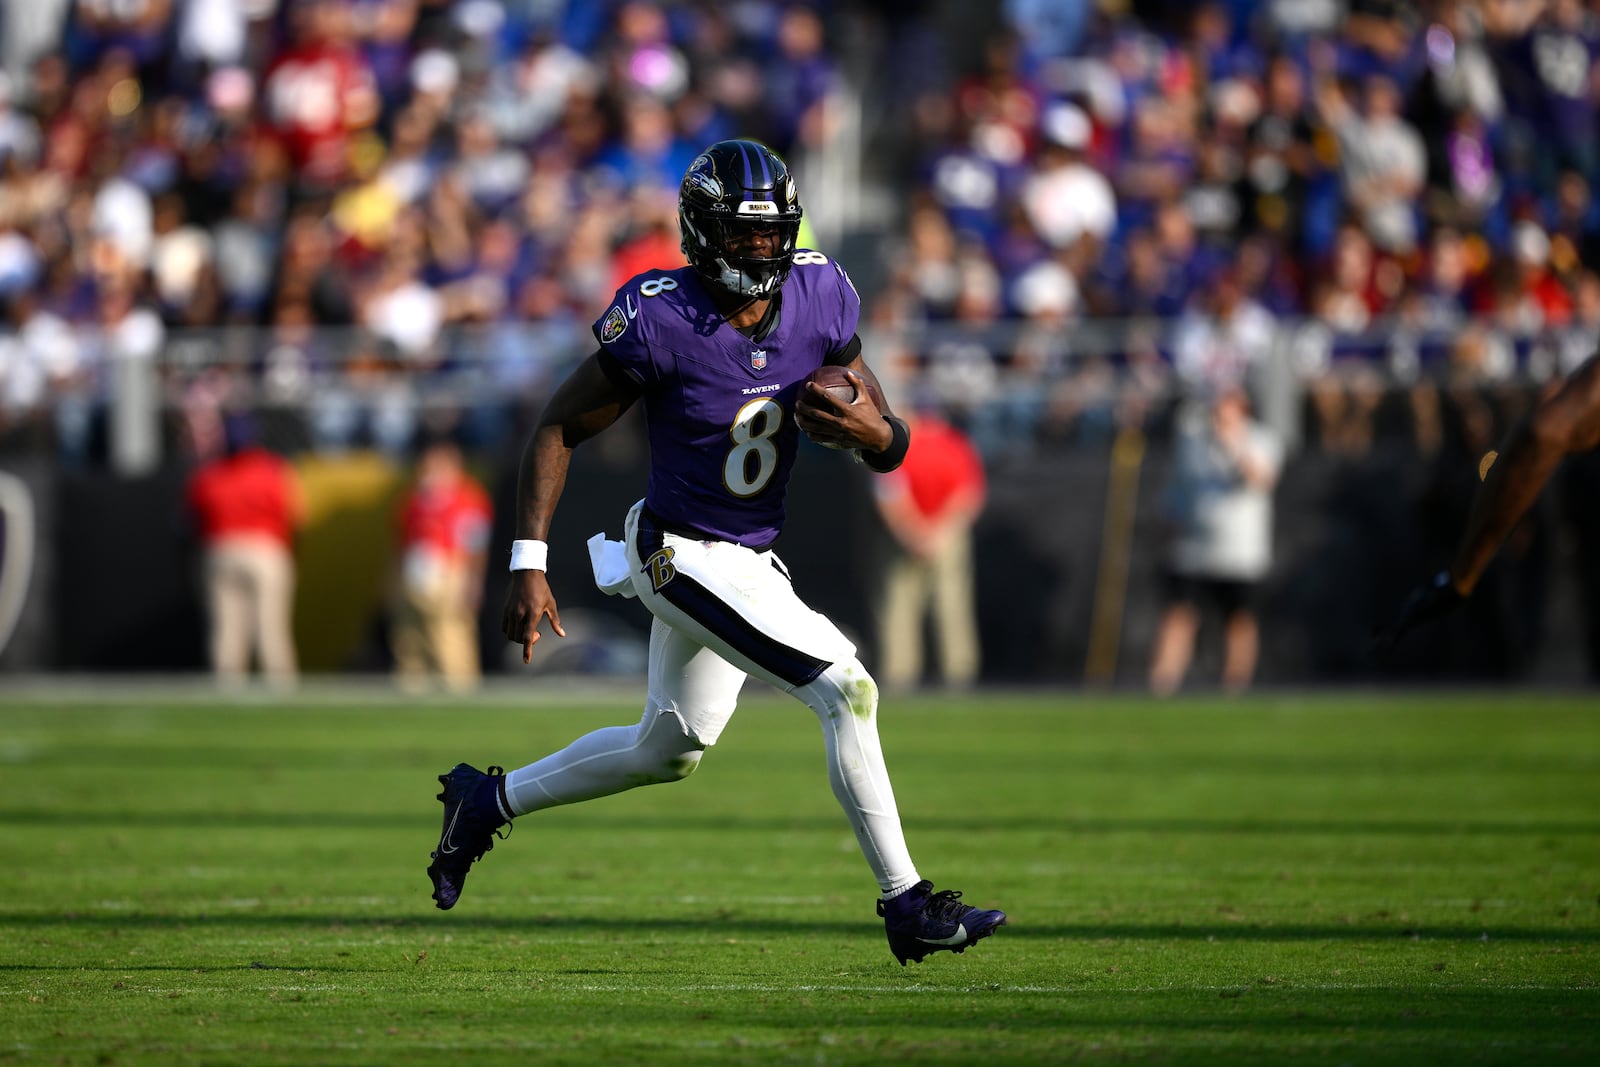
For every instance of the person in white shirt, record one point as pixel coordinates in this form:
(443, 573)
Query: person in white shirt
(1065, 198)
(1225, 468)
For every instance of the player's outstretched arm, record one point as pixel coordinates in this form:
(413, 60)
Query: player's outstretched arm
(586, 403)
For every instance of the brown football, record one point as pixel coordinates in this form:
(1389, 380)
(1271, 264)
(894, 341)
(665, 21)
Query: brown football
(831, 377)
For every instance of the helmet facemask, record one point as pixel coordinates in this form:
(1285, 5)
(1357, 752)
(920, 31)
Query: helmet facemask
(731, 189)
(741, 275)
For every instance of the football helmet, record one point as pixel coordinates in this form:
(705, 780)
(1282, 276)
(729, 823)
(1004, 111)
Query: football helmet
(736, 186)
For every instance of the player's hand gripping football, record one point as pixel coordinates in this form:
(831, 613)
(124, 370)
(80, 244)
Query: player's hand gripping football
(829, 420)
(1433, 600)
(528, 601)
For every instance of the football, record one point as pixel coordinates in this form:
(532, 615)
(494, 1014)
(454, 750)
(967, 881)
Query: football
(831, 377)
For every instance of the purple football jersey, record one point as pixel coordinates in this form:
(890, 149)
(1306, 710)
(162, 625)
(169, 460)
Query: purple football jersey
(719, 406)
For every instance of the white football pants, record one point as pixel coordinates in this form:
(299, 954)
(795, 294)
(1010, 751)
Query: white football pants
(722, 613)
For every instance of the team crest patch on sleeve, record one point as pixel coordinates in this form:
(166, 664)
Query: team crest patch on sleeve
(613, 326)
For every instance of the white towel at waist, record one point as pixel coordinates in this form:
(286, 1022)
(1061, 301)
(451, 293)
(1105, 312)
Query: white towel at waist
(611, 570)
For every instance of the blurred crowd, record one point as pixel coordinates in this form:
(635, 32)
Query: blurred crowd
(354, 181)
(339, 203)
(1340, 202)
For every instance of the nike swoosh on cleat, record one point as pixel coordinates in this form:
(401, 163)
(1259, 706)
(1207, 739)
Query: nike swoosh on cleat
(956, 938)
(445, 846)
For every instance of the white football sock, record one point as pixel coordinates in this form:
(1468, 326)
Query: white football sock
(845, 699)
(608, 760)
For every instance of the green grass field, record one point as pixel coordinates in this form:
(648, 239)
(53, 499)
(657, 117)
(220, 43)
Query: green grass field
(1338, 879)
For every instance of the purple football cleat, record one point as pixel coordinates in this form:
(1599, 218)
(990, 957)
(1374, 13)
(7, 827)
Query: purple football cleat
(472, 817)
(920, 921)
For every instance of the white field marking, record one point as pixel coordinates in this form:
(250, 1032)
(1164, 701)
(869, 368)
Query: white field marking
(279, 1044)
(278, 906)
(1095, 987)
(746, 1042)
(555, 982)
(692, 898)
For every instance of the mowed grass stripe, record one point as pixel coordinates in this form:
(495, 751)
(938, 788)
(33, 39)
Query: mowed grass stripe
(1365, 878)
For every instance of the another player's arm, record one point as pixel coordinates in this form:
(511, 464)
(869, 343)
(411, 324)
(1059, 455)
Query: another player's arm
(1565, 420)
(589, 401)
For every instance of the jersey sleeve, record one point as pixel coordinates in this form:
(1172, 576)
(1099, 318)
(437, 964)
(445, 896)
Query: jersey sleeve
(621, 333)
(842, 330)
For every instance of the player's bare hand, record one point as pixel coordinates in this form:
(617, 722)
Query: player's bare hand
(528, 601)
(829, 420)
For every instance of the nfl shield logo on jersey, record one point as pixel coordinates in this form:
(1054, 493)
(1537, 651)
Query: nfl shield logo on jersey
(613, 326)
(758, 359)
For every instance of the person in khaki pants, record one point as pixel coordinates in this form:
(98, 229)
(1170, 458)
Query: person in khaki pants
(444, 531)
(929, 506)
(247, 505)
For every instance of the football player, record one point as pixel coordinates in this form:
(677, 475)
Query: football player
(718, 353)
(1565, 420)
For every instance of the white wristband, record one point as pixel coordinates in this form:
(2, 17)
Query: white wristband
(529, 555)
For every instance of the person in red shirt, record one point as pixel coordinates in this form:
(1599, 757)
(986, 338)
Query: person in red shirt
(319, 93)
(246, 505)
(445, 522)
(929, 506)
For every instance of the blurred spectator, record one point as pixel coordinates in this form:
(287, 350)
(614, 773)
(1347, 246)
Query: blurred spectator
(1066, 198)
(648, 153)
(1382, 160)
(246, 507)
(319, 93)
(491, 173)
(1446, 283)
(19, 131)
(801, 80)
(181, 267)
(1573, 223)
(650, 238)
(929, 506)
(445, 519)
(1159, 161)
(961, 365)
(138, 27)
(1334, 355)
(308, 275)
(1549, 75)
(1281, 164)
(245, 248)
(526, 96)
(1137, 281)
(1224, 338)
(1048, 29)
(1582, 338)
(1225, 467)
